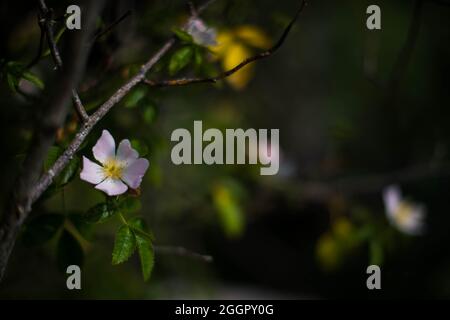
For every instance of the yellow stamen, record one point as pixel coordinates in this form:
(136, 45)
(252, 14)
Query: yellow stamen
(113, 169)
(404, 212)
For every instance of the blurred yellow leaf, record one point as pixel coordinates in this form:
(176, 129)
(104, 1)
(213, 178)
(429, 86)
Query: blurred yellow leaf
(328, 252)
(233, 47)
(230, 213)
(253, 36)
(235, 54)
(224, 40)
(342, 227)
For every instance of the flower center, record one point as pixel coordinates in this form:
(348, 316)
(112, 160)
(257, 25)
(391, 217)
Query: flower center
(113, 169)
(404, 213)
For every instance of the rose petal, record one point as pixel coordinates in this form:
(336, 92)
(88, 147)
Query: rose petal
(126, 153)
(92, 172)
(134, 172)
(112, 187)
(105, 148)
(414, 225)
(392, 197)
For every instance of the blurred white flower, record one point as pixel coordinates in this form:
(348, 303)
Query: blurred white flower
(201, 33)
(406, 216)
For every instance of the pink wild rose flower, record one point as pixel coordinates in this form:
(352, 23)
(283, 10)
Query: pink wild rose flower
(118, 171)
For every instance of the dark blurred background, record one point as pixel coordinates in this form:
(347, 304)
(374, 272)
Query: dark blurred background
(357, 110)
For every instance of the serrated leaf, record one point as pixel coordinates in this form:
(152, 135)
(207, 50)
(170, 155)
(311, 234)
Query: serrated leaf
(140, 228)
(42, 228)
(99, 213)
(145, 248)
(146, 255)
(34, 79)
(69, 251)
(124, 245)
(180, 59)
(183, 35)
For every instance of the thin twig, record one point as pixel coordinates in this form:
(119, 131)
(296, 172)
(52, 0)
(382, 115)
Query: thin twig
(368, 184)
(262, 55)
(20, 201)
(182, 252)
(47, 16)
(47, 178)
(101, 33)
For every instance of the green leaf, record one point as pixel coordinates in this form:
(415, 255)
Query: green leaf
(130, 205)
(376, 253)
(139, 227)
(42, 228)
(69, 171)
(183, 35)
(83, 227)
(57, 38)
(140, 147)
(180, 59)
(69, 251)
(230, 212)
(124, 245)
(34, 79)
(52, 155)
(145, 248)
(134, 97)
(100, 212)
(13, 82)
(149, 114)
(198, 57)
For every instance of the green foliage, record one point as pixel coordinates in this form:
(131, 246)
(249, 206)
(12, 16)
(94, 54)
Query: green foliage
(198, 56)
(42, 228)
(69, 251)
(58, 36)
(231, 215)
(149, 114)
(69, 171)
(180, 59)
(129, 205)
(15, 71)
(137, 95)
(100, 212)
(145, 247)
(376, 253)
(124, 245)
(140, 146)
(81, 225)
(183, 35)
(27, 75)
